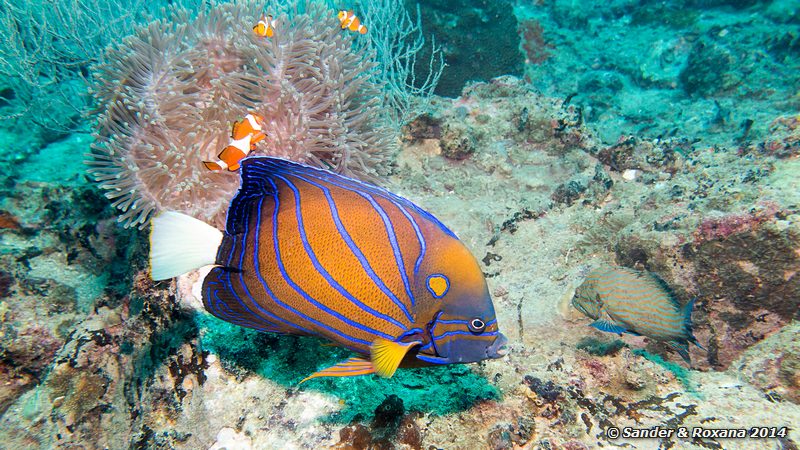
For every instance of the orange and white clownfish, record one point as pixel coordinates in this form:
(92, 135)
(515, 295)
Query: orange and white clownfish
(244, 136)
(349, 20)
(265, 26)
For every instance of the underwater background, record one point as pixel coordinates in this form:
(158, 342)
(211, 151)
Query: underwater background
(554, 137)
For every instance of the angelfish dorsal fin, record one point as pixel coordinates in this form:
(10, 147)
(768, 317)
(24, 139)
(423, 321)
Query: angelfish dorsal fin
(387, 355)
(357, 365)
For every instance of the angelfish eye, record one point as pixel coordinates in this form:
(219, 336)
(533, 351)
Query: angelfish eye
(476, 325)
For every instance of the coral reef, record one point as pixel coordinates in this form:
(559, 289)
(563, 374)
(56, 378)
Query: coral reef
(44, 75)
(718, 71)
(749, 284)
(96, 355)
(169, 94)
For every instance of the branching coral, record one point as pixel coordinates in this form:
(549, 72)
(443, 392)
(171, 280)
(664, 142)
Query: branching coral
(47, 47)
(169, 94)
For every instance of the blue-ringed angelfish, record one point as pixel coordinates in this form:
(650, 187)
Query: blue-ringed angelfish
(310, 252)
(622, 300)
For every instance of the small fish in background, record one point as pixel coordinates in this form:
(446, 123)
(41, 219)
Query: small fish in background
(310, 252)
(349, 20)
(265, 26)
(623, 300)
(244, 136)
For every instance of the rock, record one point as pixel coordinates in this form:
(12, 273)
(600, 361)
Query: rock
(709, 69)
(458, 140)
(229, 439)
(630, 174)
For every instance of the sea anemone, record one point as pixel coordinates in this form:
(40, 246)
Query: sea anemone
(168, 95)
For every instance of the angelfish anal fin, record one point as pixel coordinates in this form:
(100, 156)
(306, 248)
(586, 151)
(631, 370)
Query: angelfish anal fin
(387, 355)
(357, 365)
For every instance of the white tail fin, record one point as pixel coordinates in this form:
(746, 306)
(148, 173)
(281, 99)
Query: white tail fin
(179, 244)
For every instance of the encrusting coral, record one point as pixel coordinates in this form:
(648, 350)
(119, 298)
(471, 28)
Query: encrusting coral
(169, 95)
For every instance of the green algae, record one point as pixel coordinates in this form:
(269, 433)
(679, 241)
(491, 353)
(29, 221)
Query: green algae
(598, 347)
(681, 374)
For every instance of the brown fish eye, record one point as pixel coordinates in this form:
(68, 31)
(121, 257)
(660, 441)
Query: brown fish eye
(477, 325)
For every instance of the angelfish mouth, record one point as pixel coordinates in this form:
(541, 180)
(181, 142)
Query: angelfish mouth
(499, 347)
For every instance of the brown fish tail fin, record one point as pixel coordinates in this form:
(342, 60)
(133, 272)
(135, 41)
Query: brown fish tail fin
(180, 244)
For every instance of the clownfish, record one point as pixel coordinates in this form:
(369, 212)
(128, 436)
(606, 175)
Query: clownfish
(349, 20)
(244, 136)
(310, 252)
(622, 300)
(265, 26)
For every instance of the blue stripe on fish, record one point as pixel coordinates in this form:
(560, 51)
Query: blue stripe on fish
(398, 203)
(264, 285)
(325, 274)
(297, 288)
(258, 273)
(420, 237)
(465, 322)
(356, 251)
(280, 165)
(398, 256)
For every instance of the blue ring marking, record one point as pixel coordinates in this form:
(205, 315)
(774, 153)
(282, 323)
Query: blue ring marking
(434, 294)
(398, 256)
(357, 251)
(317, 265)
(282, 269)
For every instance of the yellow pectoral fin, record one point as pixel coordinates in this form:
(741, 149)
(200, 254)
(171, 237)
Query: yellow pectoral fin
(387, 355)
(354, 366)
